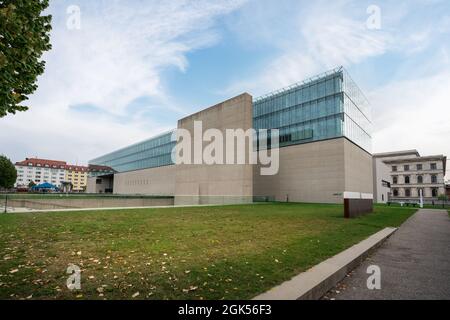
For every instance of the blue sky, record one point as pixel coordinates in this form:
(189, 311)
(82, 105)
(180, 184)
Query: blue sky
(135, 67)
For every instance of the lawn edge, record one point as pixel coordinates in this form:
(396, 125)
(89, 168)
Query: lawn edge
(317, 281)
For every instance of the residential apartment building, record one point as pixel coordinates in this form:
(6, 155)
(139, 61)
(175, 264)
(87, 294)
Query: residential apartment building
(40, 171)
(325, 149)
(77, 177)
(56, 172)
(409, 174)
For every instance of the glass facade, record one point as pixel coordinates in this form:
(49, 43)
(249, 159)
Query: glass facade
(324, 107)
(155, 152)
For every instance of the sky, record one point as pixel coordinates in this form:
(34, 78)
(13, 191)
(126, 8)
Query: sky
(122, 71)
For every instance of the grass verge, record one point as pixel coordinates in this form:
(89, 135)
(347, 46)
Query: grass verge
(230, 252)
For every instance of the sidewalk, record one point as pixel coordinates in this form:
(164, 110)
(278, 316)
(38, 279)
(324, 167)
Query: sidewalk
(414, 263)
(27, 210)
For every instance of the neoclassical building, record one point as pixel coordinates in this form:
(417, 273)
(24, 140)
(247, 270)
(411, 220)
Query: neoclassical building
(400, 176)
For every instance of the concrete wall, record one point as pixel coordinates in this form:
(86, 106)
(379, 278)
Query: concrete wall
(204, 184)
(154, 181)
(358, 169)
(380, 172)
(93, 187)
(48, 204)
(317, 172)
(311, 172)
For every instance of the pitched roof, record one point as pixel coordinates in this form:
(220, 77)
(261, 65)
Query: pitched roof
(36, 162)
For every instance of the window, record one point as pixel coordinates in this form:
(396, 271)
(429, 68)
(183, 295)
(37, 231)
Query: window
(433, 166)
(406, 167)
(434, 192)
(419, 179)
(394, 168)
(407, 192)
(407, 180)
(433, 178)
(98, 181)
(395, 193)
(395, 180)
(419, 167)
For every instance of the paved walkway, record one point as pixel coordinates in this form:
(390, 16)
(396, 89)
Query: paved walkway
(414, 263)
(28, 210)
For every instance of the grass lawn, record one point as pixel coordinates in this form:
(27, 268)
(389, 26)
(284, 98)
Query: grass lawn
(230, 252)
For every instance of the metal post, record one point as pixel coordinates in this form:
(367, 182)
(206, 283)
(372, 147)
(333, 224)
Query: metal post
(6, 203)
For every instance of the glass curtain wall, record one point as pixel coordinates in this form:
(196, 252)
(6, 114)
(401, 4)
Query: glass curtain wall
(155, 152)
(324, 107)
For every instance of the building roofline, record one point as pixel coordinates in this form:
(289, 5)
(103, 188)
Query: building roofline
(426, 158)
(435, 157)
(239, 96)
(132, 145)
(397, 153)
(299, 84)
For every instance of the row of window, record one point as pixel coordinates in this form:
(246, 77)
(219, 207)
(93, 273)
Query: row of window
(152, 153)
(46, 166)
(407, 179)
(39, 176)
(36, 181)
(303, 93)
(408, 193)
(433, 166)
(53, 171)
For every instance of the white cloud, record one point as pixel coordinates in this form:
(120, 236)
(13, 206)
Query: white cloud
(411, 108)
(413, 114)
(117, 56)
(317, 37)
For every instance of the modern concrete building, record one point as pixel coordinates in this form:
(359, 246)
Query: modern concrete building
(100, 179)
(407, 173)
(325, 149)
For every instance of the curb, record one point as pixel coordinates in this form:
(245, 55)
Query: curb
(317, 281)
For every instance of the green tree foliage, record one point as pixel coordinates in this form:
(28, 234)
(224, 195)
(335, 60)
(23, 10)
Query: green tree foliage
(8, 173)
(24, 37)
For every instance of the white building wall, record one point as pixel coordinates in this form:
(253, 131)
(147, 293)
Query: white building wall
(26, 174)
(381, 173)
